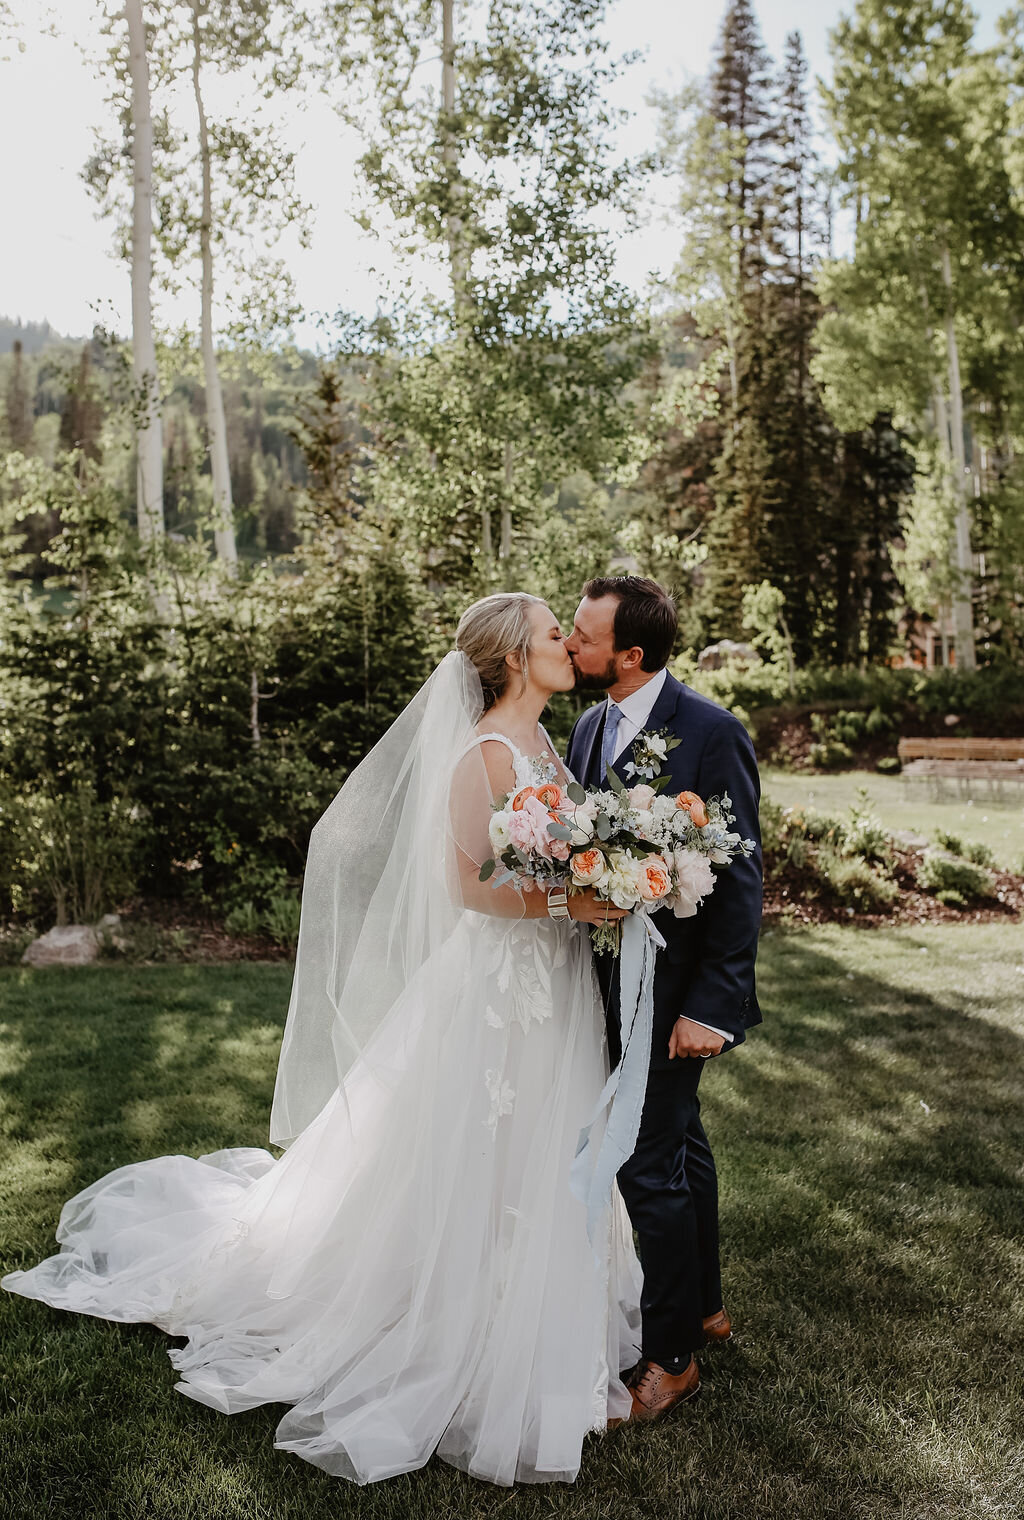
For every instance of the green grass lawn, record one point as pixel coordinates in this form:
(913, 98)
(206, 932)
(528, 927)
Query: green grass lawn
(999, 825)
(869, 1139)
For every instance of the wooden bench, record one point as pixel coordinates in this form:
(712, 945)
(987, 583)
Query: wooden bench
(961, 749)
(980, 770)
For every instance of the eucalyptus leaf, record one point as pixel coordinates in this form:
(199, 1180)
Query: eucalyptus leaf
(559, 831)
(603, 826)
(615, 782)
(576, 793)
(488, 869)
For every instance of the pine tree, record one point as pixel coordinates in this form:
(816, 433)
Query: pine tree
(18, 403)
(739, 109)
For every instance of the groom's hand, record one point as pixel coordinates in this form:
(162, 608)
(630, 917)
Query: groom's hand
(690, 1039)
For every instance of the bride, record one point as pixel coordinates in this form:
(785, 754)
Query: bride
(413, 1274)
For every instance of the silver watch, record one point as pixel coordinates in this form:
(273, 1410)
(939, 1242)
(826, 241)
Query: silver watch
(558, 902)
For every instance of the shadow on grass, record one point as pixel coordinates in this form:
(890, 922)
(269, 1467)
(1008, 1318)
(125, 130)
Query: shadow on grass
(105, 1067)
(869, 1141)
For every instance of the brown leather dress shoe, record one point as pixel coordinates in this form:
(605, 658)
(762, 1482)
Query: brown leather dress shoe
(718, 1327)
(656, 1391)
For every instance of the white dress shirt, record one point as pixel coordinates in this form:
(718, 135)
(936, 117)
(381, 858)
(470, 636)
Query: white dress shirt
(636, 710)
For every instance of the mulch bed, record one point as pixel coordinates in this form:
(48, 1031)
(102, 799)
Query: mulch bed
(159, 932)
(201, 937)
(798, 896)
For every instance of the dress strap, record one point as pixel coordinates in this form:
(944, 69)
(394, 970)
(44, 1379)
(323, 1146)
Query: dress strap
(501, 738)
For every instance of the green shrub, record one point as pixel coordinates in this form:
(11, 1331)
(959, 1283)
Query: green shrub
(942, 872)
(974, 850)
(244, 918)
(951, 899)
(989, 693)
(829, 755)
(889, 765)
(865, 834)
(281, 918)
(72, 857)
(855, 881)
(14, 941)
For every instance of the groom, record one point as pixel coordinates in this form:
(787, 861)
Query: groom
(704, 998)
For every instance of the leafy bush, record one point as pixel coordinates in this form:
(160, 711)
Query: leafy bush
(952, 844)
(839, 734)
(14, 941)
(941, 872)
(73, 857)
(851, 857)
(281, 919)
(829, 754)
(855, 881)
(889, 765)
(865, 834)
(988, 694)
(244, 918)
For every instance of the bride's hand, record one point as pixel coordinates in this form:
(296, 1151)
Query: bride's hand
(587, 908)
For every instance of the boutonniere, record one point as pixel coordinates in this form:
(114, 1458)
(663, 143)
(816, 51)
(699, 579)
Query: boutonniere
(650, 749)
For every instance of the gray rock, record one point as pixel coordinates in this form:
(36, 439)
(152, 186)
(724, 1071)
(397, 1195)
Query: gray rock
(727, 652)
(70, 944)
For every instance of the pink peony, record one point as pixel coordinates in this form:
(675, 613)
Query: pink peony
(520, 830)
(694, 880)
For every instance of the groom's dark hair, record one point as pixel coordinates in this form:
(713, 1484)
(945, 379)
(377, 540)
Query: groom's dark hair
(645, 616)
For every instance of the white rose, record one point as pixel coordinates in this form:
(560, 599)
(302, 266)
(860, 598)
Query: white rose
(582, 826)
(498, 833)
(641, 797)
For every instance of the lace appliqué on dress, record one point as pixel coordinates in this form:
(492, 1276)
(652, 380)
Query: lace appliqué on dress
(502, 1096)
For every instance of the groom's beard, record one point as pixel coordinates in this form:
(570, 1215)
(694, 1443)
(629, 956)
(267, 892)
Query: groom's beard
(599, 681)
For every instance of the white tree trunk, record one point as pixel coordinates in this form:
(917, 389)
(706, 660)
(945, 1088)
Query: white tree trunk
(963, 609)
(148, 426)
(216, 424)
(457, 261)
(505, 546)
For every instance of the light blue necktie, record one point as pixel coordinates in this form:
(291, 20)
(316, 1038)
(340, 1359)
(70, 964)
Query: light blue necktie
(613, 718)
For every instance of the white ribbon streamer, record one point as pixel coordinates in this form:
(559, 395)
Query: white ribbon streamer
(594, 1169)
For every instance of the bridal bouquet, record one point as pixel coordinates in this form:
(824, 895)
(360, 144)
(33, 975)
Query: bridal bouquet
(638, 850)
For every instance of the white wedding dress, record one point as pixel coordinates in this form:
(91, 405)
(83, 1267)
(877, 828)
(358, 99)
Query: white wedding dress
(413, 1275)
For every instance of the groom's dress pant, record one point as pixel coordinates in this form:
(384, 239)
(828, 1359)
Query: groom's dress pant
(670, 1188)
(670, 1191)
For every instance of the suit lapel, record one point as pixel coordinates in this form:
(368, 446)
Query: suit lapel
(587, 739)
(592, 768)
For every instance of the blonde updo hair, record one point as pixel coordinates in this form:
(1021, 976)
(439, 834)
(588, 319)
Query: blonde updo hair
(493, 628)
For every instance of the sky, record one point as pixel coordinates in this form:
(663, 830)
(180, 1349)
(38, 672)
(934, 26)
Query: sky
(56, 259)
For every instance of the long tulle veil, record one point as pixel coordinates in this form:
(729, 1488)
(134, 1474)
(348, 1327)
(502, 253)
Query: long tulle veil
(382, 887)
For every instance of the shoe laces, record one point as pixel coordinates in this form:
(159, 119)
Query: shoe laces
(645, 1374)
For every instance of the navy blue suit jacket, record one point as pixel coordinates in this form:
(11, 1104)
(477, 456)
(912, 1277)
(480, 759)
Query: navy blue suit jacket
(706, 971)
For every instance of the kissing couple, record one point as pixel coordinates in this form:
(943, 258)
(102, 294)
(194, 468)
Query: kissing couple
(414, 1274)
